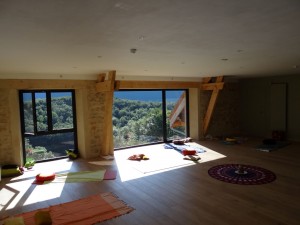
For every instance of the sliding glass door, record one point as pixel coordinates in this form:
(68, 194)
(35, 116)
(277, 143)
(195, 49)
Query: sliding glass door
(149, 116)
(137, 118)
(48, 123)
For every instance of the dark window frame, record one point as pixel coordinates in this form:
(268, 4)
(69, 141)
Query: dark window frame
(49, 118)
(163, 91)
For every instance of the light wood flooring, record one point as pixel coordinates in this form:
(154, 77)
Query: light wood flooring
(187, 195)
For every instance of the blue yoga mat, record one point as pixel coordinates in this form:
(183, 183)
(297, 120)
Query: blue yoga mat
(183, 147)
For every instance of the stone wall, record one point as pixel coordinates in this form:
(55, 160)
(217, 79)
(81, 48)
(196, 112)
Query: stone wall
(225, 120)
(90, 110)
(6, 153)
(95, 118)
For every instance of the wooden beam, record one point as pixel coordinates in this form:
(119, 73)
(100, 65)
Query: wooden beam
(157, 84)
(32, 84)
(101, 77)
(209, 111)
(106, 85)
(108, 147)
(206, 80)
(212, 86)
(219, 79)
(216, 87)
(117, 85)
(111, 79)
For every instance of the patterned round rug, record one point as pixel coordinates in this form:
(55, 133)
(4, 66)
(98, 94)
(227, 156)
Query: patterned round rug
(241, 174)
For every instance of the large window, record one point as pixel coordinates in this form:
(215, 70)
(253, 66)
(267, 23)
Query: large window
(144, 117)
(176, 114)
(48, 123)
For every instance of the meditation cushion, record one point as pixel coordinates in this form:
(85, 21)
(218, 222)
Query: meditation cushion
(45, 177)
(10, 171)
(42, 218)
(14, 221)
(188, 152)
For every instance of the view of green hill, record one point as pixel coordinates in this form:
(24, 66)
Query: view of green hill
(134, 123)
(138, 122)
(51, 145)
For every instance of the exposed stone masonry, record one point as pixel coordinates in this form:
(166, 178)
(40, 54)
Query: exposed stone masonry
(6, 154)
(226, 116)
(95, 120)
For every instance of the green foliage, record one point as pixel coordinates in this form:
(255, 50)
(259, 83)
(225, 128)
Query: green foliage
(36, 153)
(137, 122)
(62, 117)
(62, 114)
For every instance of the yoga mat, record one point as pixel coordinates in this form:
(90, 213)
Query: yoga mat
(272, 147)
(90, 210)
(180, 148)
(83, 176)
(110, 175)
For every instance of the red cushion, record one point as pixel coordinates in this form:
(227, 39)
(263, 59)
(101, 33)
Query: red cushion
(45, 176)
(189, 152)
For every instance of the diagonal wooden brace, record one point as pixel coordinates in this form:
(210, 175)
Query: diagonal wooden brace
(215, 87)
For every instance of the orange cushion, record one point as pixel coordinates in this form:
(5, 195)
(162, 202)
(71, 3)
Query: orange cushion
(45, 176)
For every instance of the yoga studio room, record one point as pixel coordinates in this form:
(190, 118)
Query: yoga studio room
(149, 112)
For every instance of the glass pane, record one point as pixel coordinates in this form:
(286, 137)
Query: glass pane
(176, 114)
(137, 118)
(62, 110)
(28, 116)
(48, 146)
(41, 111)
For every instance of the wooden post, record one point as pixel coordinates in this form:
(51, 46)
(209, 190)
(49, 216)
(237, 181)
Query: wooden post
(107, 86)
(215, 87)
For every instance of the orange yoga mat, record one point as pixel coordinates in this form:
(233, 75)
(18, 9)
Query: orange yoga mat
(90, 210)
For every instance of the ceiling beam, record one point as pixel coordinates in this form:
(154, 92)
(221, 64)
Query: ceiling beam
(107, 85)
(157, 84)
(33, 84)
(212, 86)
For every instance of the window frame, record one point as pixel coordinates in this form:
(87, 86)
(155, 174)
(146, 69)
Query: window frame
(187, 113)
(163, 95)
(49, 118)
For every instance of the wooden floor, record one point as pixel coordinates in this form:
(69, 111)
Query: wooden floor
(187, 195)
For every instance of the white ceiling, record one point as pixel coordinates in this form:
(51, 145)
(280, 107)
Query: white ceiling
(173, 38)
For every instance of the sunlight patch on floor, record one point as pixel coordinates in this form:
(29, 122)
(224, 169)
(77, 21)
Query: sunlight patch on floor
(102, 162)
(160, 160)
(44, 193)
(21, 191)
(6, 194)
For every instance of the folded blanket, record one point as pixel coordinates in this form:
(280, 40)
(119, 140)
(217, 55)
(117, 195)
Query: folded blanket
(180, 148)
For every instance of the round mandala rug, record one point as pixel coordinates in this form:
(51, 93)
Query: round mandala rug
(241, 174)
